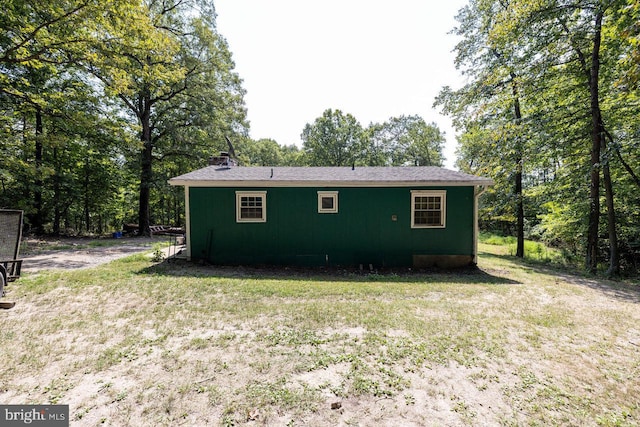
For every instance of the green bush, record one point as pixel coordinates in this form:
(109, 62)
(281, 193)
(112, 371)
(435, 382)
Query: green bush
(533, 251)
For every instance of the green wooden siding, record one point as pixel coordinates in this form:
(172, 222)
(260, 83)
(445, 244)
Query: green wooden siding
(362, 232)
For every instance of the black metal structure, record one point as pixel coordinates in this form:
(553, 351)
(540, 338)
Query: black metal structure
(10, 237)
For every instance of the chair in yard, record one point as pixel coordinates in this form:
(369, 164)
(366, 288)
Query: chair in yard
(10, 236)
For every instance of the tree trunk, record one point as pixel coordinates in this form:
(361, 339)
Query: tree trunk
(518, 175)
(597, 134)
(57, 197)
(26, 190)
(87, 213)
(146, 171)
(519, 211)
(65, 214)
(614, 255)
(177, 221)
(38, 218)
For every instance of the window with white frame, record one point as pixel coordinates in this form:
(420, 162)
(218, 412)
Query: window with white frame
(428, 208)
(327, 202)
(251, 206)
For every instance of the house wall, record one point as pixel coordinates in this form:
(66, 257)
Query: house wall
(362, 232)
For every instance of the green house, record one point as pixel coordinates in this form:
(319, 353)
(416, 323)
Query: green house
(332, 216)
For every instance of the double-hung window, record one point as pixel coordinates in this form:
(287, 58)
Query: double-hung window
(428, 208)
(251, 206)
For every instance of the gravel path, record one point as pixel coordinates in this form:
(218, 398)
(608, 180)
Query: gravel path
(83, 257)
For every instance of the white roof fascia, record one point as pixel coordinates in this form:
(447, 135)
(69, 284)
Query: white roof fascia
(327, 183)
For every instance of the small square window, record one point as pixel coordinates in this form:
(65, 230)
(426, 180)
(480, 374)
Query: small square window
(428, 208)
(251, 206)
(327, 202)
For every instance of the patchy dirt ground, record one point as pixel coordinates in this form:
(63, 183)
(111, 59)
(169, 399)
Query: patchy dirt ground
(530, 348)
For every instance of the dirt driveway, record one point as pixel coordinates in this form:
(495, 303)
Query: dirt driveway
(78, 253)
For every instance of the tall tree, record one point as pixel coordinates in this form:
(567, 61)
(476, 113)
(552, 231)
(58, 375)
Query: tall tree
(492, 99)
(41, 48)
(176, 79)
(264, 152)
(405, 140)
(334, 139)
(142, 74)
(568, 36)
(541, 77)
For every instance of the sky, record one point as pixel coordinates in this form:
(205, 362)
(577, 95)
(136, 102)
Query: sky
(372, 59)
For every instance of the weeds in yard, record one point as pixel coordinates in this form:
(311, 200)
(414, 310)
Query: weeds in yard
(467, 414)
(56, 389)
(158, 255)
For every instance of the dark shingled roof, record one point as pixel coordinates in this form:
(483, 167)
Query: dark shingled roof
(266, 176)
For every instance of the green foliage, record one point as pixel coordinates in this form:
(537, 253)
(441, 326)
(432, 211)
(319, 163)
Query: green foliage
(534, 251)
(158, 255)
(334, 139)
(494, 239)
(264, 152)
(178, 84)
(405, 140)
(93, 94)
(528, 110)
(626, 29)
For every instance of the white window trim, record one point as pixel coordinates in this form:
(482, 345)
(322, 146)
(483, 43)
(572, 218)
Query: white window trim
(241, 194)
(429, 193)
(333, 195)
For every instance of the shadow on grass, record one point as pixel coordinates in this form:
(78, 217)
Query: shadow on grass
(466, 275)
(621, 289)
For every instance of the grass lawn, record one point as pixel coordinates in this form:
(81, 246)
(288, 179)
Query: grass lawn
(136, 343)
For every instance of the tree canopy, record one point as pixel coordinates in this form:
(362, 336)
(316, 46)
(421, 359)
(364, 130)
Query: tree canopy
(110, 97)
(338, 139)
